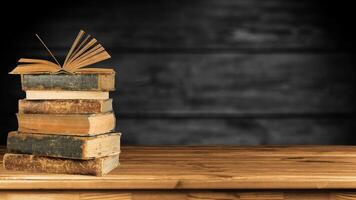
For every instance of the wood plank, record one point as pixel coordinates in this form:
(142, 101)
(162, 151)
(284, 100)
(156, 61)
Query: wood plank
(221, 167)
(181, 24)
(176, 195)
(64, 195)
(235, 131)
(234, 83)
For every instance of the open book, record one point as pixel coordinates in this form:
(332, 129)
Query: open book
(83, 52)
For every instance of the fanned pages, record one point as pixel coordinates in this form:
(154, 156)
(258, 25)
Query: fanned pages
(84, 51)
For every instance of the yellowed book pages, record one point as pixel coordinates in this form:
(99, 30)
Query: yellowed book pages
(50, 94)
(84, 52)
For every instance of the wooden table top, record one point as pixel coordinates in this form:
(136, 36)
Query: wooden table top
(210, 167)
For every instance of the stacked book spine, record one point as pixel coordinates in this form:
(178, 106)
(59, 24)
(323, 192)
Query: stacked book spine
(66, 124)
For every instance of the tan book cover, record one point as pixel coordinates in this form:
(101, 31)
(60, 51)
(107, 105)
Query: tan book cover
(32, 163)
(50, 94)
(65, 106)
(62, 124)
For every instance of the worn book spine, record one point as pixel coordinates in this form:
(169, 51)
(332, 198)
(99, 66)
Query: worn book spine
(74, 82)
(65, 106)
(33, 163)
(64, 146)
(65, 124)
(65, 94)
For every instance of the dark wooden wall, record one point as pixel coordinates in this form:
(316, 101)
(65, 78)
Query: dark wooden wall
(210, 71)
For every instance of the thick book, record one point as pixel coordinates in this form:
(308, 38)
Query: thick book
(65, 106)
(75, 82)
(33, 163)
(74, 147)
(50, 94)
(62, 124)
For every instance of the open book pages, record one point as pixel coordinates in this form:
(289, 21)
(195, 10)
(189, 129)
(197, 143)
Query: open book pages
(84, 51)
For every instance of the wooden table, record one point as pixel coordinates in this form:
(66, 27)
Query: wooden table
(209, 172)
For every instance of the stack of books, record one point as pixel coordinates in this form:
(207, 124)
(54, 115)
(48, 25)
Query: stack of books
(66, 124)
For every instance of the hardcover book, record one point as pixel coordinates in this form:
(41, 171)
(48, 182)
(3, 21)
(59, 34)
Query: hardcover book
(50, 94)
(65, 106)
(61, 124)
(33, 163)
(76, 82)
(63, 146)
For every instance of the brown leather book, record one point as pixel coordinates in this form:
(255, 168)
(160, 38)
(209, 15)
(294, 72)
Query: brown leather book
(65, 106)
(67, 124)
(32, 163)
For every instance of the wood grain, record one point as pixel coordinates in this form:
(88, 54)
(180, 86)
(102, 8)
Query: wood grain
(231, 131)
(235, 83)
(186, 25)
(219, 167)
(176, 195)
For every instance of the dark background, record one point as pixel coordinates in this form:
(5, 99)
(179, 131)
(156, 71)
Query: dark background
(204, 72)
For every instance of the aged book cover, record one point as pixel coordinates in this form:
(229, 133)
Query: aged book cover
(65, 106)
(74, 147)
(78, 82)
(32, 163)
(62, 124)
(51, 94)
